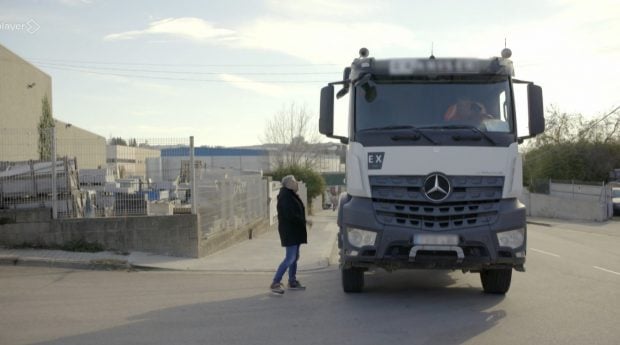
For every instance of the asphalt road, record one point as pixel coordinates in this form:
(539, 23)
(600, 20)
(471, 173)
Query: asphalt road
(570, 294)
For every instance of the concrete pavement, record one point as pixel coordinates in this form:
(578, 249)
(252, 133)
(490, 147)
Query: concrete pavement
(261, 254)
(569, 295)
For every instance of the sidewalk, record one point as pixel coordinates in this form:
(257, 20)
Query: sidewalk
(609, 227)
(261, 254)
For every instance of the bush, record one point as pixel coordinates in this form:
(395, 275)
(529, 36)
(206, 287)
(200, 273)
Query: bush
(81, 245)
(313, 180)
(573, 148)
(582, 161)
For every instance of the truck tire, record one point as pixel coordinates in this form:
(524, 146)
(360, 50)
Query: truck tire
(496, 281)
(352, 279)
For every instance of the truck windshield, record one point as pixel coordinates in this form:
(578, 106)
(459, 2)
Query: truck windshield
(485, 105)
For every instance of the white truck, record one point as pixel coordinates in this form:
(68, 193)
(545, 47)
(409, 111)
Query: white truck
(432, 170)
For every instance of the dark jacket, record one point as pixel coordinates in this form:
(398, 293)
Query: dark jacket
(291, 218)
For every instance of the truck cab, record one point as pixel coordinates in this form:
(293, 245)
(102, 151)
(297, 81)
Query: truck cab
(433, 171)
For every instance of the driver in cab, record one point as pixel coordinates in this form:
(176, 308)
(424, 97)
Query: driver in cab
(466, 111)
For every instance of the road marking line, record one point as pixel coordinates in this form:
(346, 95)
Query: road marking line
(544, 252)
(606, 270)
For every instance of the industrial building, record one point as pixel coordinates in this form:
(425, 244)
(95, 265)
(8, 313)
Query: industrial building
(23, 87)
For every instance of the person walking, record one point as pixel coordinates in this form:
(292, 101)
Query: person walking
(292, 229)
(334, 198)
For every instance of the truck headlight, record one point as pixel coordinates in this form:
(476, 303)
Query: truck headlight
(359, 238)
(512, 239)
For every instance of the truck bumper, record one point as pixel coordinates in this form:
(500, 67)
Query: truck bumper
(395, 247)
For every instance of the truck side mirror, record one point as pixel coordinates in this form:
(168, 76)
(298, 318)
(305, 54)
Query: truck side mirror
(536, 112)
(326, 118)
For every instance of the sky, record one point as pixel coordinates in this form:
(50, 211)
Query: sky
(219, 70)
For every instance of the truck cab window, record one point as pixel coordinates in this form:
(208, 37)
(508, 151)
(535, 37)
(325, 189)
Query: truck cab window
(435, 104)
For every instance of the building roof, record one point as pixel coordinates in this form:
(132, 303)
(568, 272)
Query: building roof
(6, 50)
(211, 151)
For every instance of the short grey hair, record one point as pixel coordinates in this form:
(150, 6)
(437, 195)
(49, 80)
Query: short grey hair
(288, 180)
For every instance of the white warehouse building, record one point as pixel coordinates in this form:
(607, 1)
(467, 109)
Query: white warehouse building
(174, 162)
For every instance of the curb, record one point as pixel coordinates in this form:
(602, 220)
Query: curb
(97, 265)
(321, 264)
(329, 258)
(138, 267)
(9, 260)
(539, 223)
(120, 265)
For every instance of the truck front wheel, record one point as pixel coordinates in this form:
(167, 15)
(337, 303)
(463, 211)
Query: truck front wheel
(496, 281)
(352, 279)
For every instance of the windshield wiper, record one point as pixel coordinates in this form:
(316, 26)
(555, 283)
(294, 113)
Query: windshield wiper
(417, 135)
(386, 128)
(473, 128)
(414, 137)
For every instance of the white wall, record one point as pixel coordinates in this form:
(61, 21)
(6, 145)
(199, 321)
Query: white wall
(553, 206)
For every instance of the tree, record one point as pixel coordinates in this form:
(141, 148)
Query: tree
(293, 137)
(46, 123)
(562, 127)
(573, 148)
(295, 140)
(118, 141)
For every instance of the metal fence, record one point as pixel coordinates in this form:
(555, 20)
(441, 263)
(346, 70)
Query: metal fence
(230, 200)
(574, 189)
(79, 175)
(26, 181)
(138, 180)
(584, 190)
(569, 199)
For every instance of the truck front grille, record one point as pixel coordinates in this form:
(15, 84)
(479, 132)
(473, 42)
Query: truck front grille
(400, 201)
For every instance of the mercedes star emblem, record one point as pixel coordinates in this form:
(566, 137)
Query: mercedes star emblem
(437, 187)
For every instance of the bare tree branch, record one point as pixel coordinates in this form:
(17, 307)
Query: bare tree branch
(574, 128)
(293, 135)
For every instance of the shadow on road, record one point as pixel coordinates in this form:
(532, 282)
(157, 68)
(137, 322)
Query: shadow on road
(413, 307)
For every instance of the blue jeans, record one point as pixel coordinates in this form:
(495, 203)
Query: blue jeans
(290, 263)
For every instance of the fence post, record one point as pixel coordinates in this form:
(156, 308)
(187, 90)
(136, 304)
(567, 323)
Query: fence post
(607, 200)
(192, 173)
(53, 170)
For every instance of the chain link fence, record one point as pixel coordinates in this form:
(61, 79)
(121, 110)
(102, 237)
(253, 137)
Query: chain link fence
(25, 181)
(94, 177)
